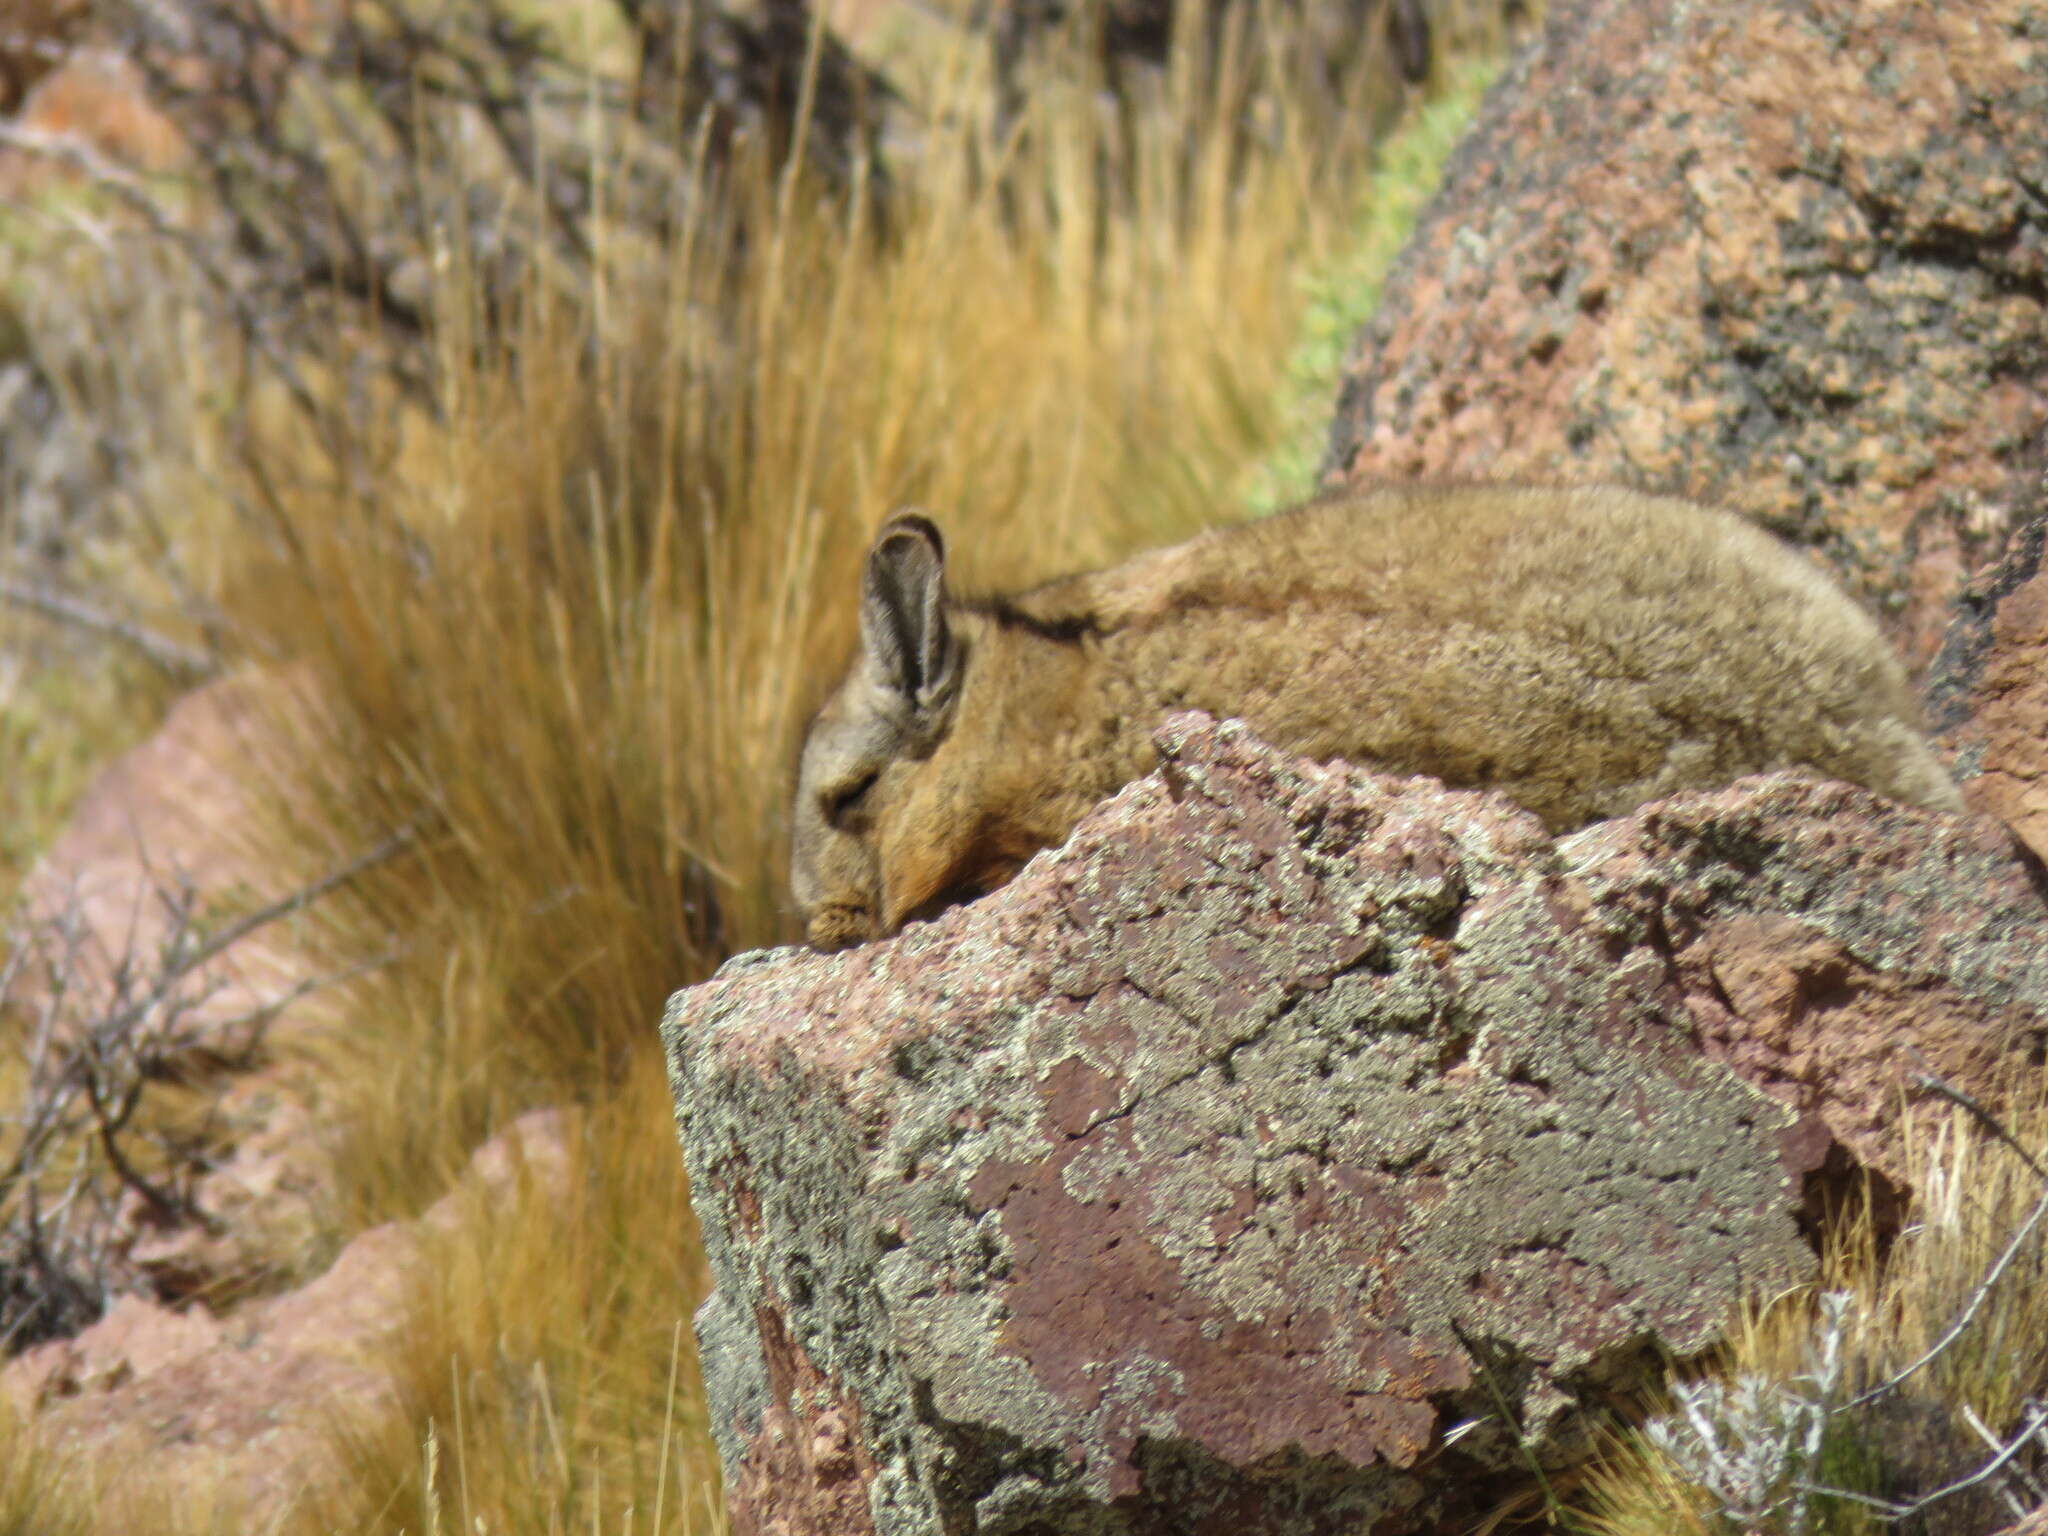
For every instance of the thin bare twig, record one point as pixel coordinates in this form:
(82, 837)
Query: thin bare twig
(1989, 1281)
(108, 1124)
(172, 656)
(2020, 1474)
(1956, 1329)
(1934, 1082)
(79, 1150)
(2037, 1418)
(184, 965)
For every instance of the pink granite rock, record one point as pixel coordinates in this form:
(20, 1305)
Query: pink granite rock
(242, 1410)
(1784, 254)
(170, 820)
(1988, 689)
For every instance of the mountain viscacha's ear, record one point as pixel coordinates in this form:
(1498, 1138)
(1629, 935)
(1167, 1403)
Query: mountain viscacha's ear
(910, 649)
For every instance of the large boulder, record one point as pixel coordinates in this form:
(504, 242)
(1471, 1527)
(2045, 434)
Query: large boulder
(1302, 1150)
(1791, 255)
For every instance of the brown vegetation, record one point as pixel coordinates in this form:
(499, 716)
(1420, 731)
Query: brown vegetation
(33, 38)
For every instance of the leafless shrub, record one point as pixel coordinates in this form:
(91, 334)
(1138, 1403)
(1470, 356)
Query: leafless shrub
(1767, 1452)
(82, 1164)
(179, 660)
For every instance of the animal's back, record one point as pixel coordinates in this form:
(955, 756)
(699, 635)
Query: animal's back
(1583, 649)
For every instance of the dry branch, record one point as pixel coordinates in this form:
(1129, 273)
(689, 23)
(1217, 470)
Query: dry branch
(183, 661)
(82, 1148)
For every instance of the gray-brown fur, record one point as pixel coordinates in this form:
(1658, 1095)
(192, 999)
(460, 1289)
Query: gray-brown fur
(1583, 650)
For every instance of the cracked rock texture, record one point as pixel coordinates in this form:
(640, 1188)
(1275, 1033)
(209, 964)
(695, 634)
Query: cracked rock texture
(1788, 255)
(1217, 1173)
(1988, 689)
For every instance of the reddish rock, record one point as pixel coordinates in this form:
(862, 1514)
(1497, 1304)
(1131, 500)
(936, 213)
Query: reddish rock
(70, 78)
(1988, 690)
(179, 813)
(1790, 255)
(1300, 1149)
(92, 100)
(264, 1200)
(134, 1341)
(173, 821)
(241, 1410)
(1829, 946)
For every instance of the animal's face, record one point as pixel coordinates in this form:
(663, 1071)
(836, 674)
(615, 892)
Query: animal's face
(879, 829)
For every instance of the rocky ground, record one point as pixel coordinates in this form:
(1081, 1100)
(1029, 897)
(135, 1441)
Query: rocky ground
(234, 1344)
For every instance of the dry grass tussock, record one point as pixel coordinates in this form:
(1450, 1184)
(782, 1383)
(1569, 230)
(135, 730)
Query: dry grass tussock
(562, 622)
(38, 1497)
(551, 1381)
(1944, 1422)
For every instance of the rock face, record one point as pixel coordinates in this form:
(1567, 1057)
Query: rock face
(170, 817)
(32, 43)
(1988, 690)
(1790, 255)
(1279, 1151)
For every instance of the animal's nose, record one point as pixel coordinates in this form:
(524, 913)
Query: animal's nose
(836, 928)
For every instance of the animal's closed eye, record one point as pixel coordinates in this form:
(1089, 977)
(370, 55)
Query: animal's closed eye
(843, 800)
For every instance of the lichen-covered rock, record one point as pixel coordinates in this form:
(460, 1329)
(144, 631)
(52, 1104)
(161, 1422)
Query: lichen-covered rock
(1988, 689)
(1302, 1150)
(1791, 255)
(1830, 946)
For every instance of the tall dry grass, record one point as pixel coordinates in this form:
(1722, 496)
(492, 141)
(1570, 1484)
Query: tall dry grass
(568, 626)
(38, 1496)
